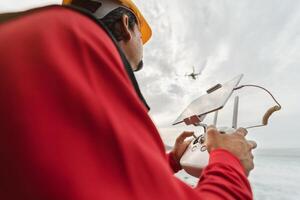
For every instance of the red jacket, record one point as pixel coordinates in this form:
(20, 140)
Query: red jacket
(72, 126)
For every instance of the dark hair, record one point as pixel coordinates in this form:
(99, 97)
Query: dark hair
(112, 19)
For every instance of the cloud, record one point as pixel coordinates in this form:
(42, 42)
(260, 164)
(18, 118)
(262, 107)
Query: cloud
(257, 38)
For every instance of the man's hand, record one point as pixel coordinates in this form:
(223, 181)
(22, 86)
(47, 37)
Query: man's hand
(181, 145)
(234, 143)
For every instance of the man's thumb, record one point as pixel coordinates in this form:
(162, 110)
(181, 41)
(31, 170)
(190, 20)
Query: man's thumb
(211, 137)
(211, 131)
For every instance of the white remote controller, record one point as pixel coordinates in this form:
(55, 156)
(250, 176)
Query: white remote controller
(196, 157)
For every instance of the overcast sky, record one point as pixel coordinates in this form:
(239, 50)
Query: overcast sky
(259, 38)
(221, 39)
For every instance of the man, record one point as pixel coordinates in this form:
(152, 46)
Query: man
(74, 124)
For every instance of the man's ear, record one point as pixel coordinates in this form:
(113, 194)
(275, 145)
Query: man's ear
(125, 29)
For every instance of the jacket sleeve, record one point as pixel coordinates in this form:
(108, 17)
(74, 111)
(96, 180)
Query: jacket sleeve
(224, 178)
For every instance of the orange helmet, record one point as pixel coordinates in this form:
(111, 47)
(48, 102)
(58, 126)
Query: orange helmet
(109, 5)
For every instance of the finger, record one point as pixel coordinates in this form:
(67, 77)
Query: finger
(211, 131)
(188, 142)
(252, 144)
(251, 155)
(211, 127)
(241, 131)
(184, 135)
(211, 136)
(251, 165)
